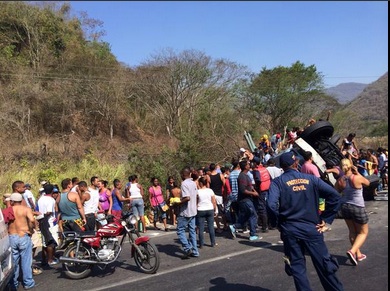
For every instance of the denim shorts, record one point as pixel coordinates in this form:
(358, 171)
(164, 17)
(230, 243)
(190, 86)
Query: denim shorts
(157, 212)
(137, 206)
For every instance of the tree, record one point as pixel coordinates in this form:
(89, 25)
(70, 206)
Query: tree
(190, 97)
(52, 74)
(174, 86)
(281, 96)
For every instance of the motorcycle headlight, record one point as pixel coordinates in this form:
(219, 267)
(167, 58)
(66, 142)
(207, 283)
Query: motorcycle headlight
(132, 219)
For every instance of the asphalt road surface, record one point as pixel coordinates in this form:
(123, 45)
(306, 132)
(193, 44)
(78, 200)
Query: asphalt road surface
(237, 264)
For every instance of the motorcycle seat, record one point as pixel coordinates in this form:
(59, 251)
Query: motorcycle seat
(91, 233)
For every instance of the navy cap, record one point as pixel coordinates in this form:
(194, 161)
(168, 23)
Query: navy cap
(287, 159)
(48, 188)
(27, 185)
(55, 190)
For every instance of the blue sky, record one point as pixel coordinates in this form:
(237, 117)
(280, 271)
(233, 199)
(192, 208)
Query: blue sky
(347, 41)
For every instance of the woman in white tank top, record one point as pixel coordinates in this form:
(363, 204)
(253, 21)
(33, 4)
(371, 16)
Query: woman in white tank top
(137, 201)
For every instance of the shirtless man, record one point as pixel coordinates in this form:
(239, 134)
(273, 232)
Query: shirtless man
(176, 193)
(374, 162)
(20, 231)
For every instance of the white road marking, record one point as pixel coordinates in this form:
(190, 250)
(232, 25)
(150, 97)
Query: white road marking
(194, 264)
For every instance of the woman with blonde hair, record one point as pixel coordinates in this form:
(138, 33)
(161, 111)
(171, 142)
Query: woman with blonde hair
(353, 209)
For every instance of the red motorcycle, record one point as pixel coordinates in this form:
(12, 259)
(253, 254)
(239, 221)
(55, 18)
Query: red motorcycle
(102, 247)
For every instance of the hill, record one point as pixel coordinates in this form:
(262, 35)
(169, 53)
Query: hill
(372, 103)
(69, 107)
(368, 113)
(346, 92)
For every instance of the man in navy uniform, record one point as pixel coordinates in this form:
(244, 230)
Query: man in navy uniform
(293, 198)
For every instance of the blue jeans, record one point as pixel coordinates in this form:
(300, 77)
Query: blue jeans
(137, 206)
(190, 243)
(231, 209)
(22, 252)
(201, 217)
(247, 213)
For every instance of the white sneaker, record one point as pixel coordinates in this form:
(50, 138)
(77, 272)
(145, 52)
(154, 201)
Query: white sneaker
(54, 262)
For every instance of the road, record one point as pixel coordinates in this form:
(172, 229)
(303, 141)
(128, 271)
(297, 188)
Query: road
(237, 264)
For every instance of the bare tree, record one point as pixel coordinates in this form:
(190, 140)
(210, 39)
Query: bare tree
(174, 86)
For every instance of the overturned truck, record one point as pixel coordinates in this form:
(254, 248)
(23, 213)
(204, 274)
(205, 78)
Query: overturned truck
(320, 140)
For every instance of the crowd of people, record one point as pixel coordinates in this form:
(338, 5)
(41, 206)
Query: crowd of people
(251, 194)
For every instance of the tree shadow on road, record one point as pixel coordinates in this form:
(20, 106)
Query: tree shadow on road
(221, 284)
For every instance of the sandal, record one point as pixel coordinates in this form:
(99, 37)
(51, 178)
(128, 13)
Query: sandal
(352, 258)
(37, 271)
(362, 257)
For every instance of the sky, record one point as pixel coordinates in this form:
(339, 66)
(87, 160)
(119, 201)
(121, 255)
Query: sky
(347, 41)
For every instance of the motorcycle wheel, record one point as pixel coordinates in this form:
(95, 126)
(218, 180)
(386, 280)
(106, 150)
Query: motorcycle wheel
(150, 261)
(77, 270)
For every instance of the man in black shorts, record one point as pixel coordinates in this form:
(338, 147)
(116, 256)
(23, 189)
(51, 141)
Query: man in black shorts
(48, 225)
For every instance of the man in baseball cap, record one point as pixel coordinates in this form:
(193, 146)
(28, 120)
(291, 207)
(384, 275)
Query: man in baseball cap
(16, 197)
(293, 202)
(8, 213)
(20, 231)
(288, 159)
(6, 197)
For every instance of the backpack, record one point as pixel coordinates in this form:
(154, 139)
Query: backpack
(265, 179)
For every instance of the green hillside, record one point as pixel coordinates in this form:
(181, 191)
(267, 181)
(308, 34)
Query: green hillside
(71, 109)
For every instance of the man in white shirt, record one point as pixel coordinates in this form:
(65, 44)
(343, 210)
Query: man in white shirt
(272, 169)
(48, 224)
(92, 204)
(75, 183)
(28, 196)
(383, 167)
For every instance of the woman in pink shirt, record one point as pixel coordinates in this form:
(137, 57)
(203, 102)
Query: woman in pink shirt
(156, 199)
(105, 197)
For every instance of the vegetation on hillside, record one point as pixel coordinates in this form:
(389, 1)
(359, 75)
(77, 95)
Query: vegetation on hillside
(367, 115)
(71, 109)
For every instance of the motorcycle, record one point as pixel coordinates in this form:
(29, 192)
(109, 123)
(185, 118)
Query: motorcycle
(102, 247)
